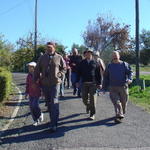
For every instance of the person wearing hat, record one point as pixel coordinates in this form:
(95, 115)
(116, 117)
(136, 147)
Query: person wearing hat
(89, 72)
(33, 91)
(96, 56)
(50, 68)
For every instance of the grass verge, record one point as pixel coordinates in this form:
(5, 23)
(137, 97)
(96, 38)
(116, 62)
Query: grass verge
(141, 97)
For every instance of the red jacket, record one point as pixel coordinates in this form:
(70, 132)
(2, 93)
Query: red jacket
(32, 88)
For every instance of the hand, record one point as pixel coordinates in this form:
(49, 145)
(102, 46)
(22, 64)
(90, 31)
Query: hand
(73, 64)
(59, 75)
(99, 86)
(129, 81)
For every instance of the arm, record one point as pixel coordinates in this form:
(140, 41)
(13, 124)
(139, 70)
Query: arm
(79, 72)
(27, 87)
(105, 79)
(37, 70)
(129, 73)
(98, 77)
(62, 68)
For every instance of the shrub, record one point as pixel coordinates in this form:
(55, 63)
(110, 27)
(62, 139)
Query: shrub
(5, 84)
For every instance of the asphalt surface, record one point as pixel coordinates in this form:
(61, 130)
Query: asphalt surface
(75, 130)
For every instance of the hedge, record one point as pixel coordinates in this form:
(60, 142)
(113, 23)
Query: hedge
(5, 84)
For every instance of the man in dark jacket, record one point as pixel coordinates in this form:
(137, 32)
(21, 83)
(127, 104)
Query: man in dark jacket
(117, 76)
(89, 71)
(75, 59)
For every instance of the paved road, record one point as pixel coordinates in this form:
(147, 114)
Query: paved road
(75, 130)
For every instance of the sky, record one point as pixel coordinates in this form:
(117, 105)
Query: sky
(66, 20)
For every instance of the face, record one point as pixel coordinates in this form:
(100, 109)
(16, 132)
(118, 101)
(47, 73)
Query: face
(50, 48)
(88, 55)
(31, 69)
(115, 56)
(75, 51)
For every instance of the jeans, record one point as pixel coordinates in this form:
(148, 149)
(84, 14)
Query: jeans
(51, 95)
(74, 81)
(62, 87)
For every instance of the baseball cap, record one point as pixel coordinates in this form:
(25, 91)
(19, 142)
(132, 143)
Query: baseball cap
(32, 64)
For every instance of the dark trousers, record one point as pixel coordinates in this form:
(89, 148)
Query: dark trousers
(67, 78)
(89, 96)
(34, 108)
(51, 95)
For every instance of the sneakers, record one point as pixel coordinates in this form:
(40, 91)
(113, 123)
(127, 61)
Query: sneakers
(92, 117)
(35, 123)
(119, 118)
(41, 118)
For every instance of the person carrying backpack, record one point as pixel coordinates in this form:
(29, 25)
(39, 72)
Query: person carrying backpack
(117, 76)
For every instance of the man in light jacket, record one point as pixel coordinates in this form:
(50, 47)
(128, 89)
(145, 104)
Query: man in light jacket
(49, 69)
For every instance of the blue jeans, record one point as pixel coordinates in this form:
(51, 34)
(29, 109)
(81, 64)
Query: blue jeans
(34, 107)
(51, 95)
(62, 87)
(74, 81)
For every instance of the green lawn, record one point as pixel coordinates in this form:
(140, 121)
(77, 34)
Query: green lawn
(139, 97)
(142, 68)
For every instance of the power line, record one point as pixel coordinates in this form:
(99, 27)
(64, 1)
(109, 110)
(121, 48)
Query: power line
(12, 8)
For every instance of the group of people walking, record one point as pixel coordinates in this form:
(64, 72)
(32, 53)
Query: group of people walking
(87, 75)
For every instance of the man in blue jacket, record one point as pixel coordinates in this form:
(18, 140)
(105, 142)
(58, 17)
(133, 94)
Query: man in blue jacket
(117, 76)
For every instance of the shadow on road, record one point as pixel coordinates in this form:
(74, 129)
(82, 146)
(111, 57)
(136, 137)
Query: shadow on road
(31, 133)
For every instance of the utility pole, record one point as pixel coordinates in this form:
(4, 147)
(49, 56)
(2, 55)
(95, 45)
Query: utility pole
(35, 32)
(137, 41)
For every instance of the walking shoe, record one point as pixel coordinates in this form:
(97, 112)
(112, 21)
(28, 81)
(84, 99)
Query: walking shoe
(118, 120)
(41, 118)
(74, 92)
(119, 116)
(35, 123)
(53, 129)
(92, 117)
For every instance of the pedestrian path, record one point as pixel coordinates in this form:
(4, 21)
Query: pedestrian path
(76, 131)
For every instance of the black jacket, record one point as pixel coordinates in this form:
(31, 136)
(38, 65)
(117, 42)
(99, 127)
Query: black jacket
(89, 72)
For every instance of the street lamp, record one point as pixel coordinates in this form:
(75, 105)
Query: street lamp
(35, 32)
(137, 41)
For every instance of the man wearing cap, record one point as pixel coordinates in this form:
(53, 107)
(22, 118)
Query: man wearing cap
(50, 68)
(89, 71)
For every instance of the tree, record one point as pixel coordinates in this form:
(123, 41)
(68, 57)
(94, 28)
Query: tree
(60, 48)
(20, 59)
(128, 56)
(145, 56)
(104, 33)
(81, 48)
(6, 49)
(145, 39)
